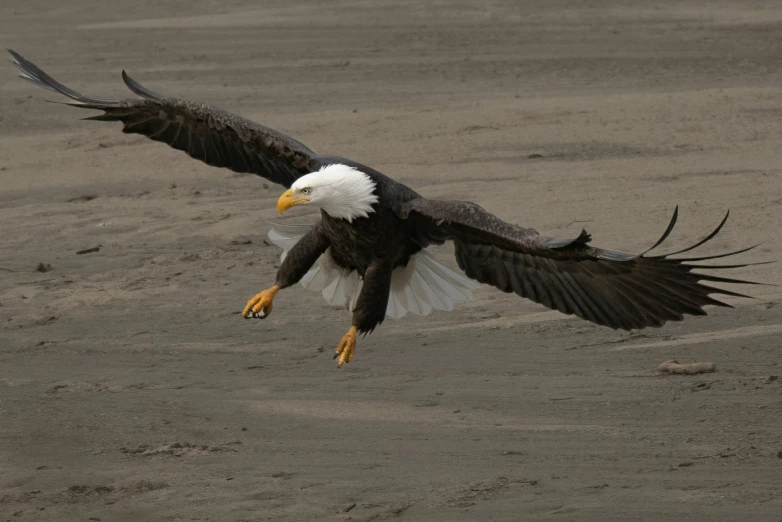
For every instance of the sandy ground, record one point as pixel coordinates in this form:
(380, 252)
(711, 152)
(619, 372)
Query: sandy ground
(130, 389)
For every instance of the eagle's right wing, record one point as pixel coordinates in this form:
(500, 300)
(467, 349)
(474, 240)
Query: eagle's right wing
(216, 137)
(605, 287)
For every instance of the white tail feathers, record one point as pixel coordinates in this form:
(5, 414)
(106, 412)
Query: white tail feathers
(420, 287)
(425, 285)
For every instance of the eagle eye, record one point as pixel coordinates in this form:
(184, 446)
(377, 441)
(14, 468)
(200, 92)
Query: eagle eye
(306, 190)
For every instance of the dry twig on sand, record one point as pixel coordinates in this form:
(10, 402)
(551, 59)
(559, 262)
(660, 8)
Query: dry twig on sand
(689, 369)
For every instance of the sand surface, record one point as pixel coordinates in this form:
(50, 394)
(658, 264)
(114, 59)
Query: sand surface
(130, 389)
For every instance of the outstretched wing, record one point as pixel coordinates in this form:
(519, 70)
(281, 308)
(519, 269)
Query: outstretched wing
(214, 136)
(608, 288)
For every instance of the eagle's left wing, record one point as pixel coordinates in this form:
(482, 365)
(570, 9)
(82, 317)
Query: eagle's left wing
(605, 287)
(207, 133)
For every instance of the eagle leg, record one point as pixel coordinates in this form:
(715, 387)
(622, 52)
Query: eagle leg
(260, 306)
(346, 347)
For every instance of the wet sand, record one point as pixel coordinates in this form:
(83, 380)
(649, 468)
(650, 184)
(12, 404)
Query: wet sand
(131, 389)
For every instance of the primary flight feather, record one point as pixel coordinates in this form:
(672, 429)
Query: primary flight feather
(368, 249)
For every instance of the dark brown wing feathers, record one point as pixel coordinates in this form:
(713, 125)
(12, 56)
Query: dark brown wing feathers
(605, 287)
(217, 137)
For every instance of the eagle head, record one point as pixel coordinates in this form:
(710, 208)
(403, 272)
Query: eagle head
(341, 191)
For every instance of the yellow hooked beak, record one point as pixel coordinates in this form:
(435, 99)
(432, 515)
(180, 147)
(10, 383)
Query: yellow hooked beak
(288, 200)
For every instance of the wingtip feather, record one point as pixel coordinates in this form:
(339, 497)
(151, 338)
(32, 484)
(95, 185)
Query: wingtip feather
(139, 89)
(667, 232)
(701, 242)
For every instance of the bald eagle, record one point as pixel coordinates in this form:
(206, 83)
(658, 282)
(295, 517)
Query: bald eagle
(368, 249)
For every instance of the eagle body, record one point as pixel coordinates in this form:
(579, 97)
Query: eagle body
(380, 235)
(373, 231)
(372, 246)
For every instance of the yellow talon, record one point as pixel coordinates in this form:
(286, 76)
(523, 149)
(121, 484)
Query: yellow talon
(260, 306)
(346, 347)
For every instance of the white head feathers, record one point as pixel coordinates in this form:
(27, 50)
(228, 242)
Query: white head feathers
(341, 191)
